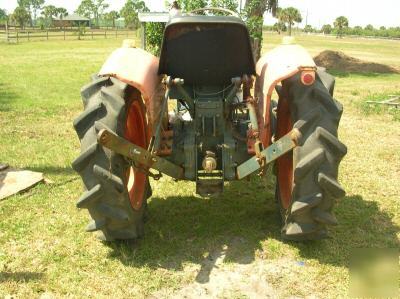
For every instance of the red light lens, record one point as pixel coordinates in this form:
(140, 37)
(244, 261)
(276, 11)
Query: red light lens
(307, 78)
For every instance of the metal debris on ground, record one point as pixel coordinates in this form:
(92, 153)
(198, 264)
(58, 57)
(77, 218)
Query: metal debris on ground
(393, 101)
(13, 181)
(3, 166)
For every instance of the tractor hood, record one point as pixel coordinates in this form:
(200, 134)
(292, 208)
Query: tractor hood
(206, 49)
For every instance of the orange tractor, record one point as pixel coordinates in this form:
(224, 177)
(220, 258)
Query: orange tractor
(223, 126)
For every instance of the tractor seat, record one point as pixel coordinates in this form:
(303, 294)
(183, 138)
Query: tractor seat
(206, 50)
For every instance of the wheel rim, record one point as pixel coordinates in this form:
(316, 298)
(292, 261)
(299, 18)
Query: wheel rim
(136, 133)
(284, 163)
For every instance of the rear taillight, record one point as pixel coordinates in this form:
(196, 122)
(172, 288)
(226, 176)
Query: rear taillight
(307, 77)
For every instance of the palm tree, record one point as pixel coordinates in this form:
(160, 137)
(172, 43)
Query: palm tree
(289, 15)
(341, 23)
(112, 16)
(254, 11)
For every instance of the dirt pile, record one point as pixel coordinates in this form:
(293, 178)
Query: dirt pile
(338, 61)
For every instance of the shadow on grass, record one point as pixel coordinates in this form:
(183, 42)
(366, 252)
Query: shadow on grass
(52, 170)
(20, 276)
(6, 97)
(237, 224)
(361, 225)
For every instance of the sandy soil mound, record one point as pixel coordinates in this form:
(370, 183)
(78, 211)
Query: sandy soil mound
(338, 61)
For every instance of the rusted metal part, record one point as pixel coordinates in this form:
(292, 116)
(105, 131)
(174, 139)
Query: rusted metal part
(251, 106)
(254, 139)
(154, 141)
(393, 101)
(284, 165)
(166, 140)
(247, 85)
(209, 163)
(138, 154)
(3, 166)
(271, 153)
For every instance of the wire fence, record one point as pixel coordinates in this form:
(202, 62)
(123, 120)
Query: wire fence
(17, 35)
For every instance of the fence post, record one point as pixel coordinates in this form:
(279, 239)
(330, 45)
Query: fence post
(7, 31)
(28, 36)
(17, 37)
(105, 34)
(64, 34)
(143, 26)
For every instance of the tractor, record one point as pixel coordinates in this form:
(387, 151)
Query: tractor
(203, 112)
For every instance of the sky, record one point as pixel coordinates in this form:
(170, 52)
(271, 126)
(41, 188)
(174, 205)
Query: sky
(314, 12)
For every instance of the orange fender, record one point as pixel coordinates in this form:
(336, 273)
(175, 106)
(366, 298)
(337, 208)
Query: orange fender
(275, 66)
(135, 67)
(139, 69)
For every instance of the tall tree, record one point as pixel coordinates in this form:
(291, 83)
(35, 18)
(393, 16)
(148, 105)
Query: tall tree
(27, 5)
(111, 17)
(369, 27)
(308, 28)
(188, 5)
(61, 12)
(86, 9)
(3, 15)
(49, 12)
(21, 16)
(131, 10)
(279, 27)
(92, 9)
(254, 11)
(98, 9)
(228, 4)
(35, 6)
(289, 15)
(341, 24)
(326, 29)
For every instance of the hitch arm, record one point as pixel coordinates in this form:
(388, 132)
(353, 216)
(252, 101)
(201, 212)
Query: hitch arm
(138, 154)
(269, 154)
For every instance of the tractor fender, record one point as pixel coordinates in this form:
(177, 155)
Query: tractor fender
(135, 67)
(280, 63)
(139, 69)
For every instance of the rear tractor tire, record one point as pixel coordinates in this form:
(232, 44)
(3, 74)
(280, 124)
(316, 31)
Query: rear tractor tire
(112, 187)
(307, 185)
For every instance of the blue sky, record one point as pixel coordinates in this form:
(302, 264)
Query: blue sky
(359, 12)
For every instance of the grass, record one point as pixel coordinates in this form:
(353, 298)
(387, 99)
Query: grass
(44, 250)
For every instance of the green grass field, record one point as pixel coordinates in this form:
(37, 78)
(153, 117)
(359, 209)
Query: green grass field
(227, 246)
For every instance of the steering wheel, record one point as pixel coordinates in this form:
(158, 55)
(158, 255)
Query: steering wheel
(219, 9)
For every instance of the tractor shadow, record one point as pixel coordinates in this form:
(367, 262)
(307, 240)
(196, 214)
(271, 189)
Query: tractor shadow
(20, 276)
(238, 225)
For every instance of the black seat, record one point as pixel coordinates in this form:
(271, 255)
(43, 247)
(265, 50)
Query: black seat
(206, 50)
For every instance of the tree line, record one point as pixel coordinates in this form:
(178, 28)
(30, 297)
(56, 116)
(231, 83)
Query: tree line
(35, 13)
(340, 27)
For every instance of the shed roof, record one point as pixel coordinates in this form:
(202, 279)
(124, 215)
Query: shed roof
(154, 17)
(72, 17)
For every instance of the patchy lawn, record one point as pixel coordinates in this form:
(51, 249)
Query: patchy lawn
(228, 246)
